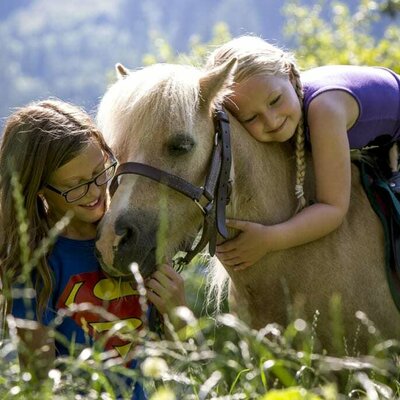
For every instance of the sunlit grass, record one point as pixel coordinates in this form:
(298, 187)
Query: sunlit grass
(209, 358)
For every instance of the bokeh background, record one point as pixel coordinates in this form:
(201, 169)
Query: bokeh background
(68, 48)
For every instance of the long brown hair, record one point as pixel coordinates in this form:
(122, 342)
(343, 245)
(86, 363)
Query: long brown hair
(255, 56)
(37, 140)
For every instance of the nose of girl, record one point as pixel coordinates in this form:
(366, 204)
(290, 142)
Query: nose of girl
(271, 121)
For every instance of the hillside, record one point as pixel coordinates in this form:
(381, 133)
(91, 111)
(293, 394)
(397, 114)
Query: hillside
(68, 49)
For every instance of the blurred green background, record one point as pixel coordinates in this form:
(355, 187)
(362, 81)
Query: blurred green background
(68, 49)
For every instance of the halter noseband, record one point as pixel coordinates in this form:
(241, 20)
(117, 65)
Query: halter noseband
(216, 189)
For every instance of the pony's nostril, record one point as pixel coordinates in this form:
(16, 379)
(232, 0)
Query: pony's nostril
(122, 225)
(124, 228)
(121, 230)
(128, 237)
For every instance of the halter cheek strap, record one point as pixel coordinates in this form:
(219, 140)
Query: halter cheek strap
(216, 189)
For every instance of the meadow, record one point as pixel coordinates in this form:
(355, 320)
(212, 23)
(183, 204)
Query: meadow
(213, 357)
(216, 356)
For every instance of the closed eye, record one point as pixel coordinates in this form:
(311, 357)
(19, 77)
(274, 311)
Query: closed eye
(248, 120)
(275, 100)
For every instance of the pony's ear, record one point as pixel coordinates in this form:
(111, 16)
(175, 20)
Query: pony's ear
(215, 84)
(121, 71)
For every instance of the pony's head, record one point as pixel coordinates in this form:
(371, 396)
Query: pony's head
(161, 116)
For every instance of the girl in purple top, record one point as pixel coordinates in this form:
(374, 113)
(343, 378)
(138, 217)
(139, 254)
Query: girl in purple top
(336, 108)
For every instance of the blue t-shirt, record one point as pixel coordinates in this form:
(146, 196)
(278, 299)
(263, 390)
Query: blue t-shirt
(77, 279)
(376, 90)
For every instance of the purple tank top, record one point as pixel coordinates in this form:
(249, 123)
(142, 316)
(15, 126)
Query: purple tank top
(376, 90)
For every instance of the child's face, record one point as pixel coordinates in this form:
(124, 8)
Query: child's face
(267, 106)
(84, 167)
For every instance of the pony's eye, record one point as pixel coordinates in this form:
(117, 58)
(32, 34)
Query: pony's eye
(180, 144)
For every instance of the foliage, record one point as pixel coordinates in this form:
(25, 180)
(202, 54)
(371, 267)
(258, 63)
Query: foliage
(391, 7)
(217, 357)
(164, 53)
(208, 361)
(65, 49)
(208, 358)
(337, 36)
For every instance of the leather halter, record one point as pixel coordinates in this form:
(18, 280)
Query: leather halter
(216, 189)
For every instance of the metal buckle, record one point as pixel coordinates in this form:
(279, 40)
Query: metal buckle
(204, 209)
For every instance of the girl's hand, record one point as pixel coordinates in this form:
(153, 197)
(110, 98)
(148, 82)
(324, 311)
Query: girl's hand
(165, 289)
(247, 248)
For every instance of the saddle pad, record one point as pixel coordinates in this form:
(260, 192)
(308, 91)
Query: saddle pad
(387, 206)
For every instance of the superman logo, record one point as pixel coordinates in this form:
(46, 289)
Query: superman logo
(118, 298)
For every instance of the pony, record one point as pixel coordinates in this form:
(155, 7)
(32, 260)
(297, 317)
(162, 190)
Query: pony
(162, 115)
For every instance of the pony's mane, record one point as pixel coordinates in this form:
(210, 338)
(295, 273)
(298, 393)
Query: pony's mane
(146, 100)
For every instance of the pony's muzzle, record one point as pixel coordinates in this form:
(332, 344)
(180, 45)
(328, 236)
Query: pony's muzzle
(136, 233)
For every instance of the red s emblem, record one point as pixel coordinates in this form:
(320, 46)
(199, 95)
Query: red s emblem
(118, 298)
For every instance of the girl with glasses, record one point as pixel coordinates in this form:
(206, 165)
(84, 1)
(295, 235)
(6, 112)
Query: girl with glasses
(62, 163)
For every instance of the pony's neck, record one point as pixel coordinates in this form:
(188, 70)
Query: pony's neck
(264, 179)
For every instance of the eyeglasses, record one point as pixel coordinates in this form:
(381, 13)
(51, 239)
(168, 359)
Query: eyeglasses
(77, 192)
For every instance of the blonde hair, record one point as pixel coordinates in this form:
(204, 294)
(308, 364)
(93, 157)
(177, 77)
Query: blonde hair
(255, 56)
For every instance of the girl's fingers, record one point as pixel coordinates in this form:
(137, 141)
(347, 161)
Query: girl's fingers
(241, 266)
(161, 277)
(233, 262)
(227, 246)
(153, 298)
(168, 271)
(156, 287)
(166, 276)
(229, 257)
(236, 224)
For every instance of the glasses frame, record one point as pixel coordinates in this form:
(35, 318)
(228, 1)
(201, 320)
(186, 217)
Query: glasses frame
(87, 184)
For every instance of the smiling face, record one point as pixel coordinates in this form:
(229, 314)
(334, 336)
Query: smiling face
(89, 209)
(267, 106)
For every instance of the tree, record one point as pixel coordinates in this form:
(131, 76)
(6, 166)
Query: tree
(391, 7)
(162, 51)
(341, 37)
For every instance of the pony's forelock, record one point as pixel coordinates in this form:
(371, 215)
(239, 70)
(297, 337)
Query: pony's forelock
(138, 102)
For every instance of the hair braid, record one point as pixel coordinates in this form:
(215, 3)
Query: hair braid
(299, 141)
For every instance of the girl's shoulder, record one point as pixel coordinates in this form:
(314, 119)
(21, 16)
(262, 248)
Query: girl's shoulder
(356, 86)
(350, 77)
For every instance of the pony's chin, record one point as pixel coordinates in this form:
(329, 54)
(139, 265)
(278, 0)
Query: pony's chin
(121, 278)
(121, 268)
(148, 266)
(114, 273)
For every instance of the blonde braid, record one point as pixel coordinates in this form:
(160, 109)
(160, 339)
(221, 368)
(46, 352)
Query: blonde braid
(300, 152)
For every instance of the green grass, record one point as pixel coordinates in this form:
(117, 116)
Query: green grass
(215, 358)
(211, 358)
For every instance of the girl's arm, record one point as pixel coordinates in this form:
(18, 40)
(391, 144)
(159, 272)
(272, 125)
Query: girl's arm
(329, 117)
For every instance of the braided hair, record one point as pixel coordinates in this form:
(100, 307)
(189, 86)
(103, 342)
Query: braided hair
(299, 142)
(255, 56)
